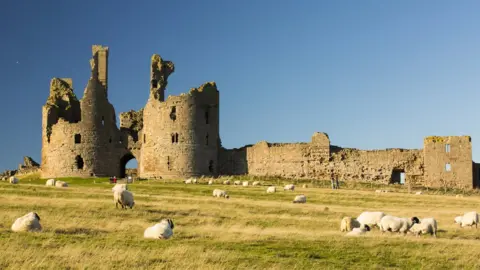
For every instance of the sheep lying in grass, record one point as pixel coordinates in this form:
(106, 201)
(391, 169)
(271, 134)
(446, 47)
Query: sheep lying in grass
(348, 223)
(289, 187)
(397, 224)
(13, 180)
(162, 230)
(426, 225)
(300, 199)
(226, 182)
(220, 193)
(28, 223)
(359, 231)
(255, 183)
(468, 219)
(305, 186)
(124, 198)
(210, 182)
(237, 183)
(50, 183)
(418, 193)
(120, 187)
(245, 183)
(371, 219)
(271, 189)
(61, 184)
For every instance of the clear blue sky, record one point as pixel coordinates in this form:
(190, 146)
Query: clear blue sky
(372, 74)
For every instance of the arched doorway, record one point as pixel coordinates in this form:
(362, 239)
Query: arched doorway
(128, 163)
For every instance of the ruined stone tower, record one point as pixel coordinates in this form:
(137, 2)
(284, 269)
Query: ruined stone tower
(176, 137)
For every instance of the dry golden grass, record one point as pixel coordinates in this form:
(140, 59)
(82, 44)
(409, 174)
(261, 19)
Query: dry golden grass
(251, 230)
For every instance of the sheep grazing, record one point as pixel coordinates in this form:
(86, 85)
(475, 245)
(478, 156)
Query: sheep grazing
(50, 183)
(348, 223)
(120, 187)
(370, 218)
(468, 219)
(300, 199)
(271, 189)
(359, 231)
(237, 183)
(124, 198)
(289, 187)
(397, 224)
(256, 183)
(28, 223)
(220, 193)
(13, 180)
(210, 182)
(226, 182)
(61, 184)
(245, 183)
(426, 225)
(162, 230)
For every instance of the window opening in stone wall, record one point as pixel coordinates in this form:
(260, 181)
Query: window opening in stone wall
(448, 167)
(210, 166)
(78, 138)
(206, 116)
(154, 83)
(447, 148)
(144, 138)
(168, 163)
(398, 177)
(79, 162)
(173, 138)
(176, 137)
(206, 139)
(103, 121)
(173, 113)
(110, 140)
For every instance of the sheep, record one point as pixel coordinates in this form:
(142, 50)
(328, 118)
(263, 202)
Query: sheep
(426, 225)
(28, 223)
(305, 186)
(188, 181)
(61, 184)
(468, 219)
(378, 191)
(220, 193)
(370, 218)
(256, 183)
(162, 230)
(289, 187)
(226, 182)
(245, 183)
(397, 224)
(124, 198)
(13, 180)
(418, 193)
(348, 223)
(50, 183)
(237, 183)
(359, 231)
(300, 199)
(120, 187)
(210, 182)
(271, 189)
(194, 180)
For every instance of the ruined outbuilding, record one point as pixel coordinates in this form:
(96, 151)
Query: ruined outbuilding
(178, 136)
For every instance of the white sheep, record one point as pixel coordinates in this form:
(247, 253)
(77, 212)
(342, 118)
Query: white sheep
(300, 199)
(370, 218)
(418, 193)
(13, 180)
(28, 223)
(210, 182)
(220, 193)
(245, 183)
(226, 182)
(194, 180)
(271, 189)
(120, 187)
(348, 223)
(397, 224)
(289, 187)
(305, 186)
(359, 231)
(237, 183)
(61, 184)
(124, 198)
(188, 181)
(255, 183)
(162, 230)
(50, 183)
(468, 219)
(426, 225)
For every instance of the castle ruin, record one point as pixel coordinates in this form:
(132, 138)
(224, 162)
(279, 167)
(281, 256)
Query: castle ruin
(178, 136)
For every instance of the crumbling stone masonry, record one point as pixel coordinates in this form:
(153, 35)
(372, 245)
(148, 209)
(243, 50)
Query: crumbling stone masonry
(178, 136)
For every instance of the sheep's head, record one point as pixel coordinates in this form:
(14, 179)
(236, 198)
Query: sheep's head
(170, 222)
(37, 216)
(131, 206)
(227, 196)
(458, 219)
(415, 220)
(367, 228)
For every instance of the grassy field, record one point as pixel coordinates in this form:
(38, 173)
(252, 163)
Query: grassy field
(251, 230)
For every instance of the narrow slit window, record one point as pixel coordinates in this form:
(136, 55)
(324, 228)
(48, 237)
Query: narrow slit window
(103, 121)
(144, 138)
(210, 166)
(447, 148)
(78, 138)
(173, 113)
(79, 162)
(206, 139)
(168, 163)
(176, 137)
(206, 116)
(448, 167)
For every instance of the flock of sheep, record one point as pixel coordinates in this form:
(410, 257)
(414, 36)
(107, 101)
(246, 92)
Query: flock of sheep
(367, 220)
(353, 226)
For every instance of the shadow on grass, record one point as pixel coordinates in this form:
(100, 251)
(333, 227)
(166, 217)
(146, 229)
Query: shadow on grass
(74, 231)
